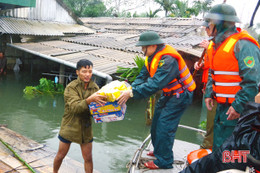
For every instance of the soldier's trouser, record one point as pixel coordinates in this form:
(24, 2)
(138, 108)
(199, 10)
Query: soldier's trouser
(208, 139)
(223, 128)
(168, 112)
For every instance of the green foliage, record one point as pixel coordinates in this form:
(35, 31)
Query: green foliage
(95, 8)
(46, 87)
(167, 5)
(203, 125)
(130, 74)
(201, 6)
(149, 14)
(152, 14)
(179, 8)
(77, 6)
(87, 8)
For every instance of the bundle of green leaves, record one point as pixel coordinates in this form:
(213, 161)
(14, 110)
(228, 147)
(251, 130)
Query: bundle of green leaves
(130, 74)
(46, 87)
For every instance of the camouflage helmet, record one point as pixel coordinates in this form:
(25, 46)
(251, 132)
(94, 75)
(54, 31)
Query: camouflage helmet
(149, 38)
(222, 12)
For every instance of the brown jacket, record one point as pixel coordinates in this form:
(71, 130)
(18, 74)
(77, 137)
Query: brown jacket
(76, 122)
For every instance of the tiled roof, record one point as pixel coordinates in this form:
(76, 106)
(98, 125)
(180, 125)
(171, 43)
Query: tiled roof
(104, 57)
(114, 43)
(39, 28)
(182, 33)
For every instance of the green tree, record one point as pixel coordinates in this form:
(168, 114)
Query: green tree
(167, 5)
(95, 8)
(201, 7)
(180, 9)
(152, 14)
(87, 8)
(77, 6)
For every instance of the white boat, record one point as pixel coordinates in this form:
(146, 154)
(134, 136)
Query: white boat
(180, 150)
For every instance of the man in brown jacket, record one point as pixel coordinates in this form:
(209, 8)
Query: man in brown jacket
(76, 122)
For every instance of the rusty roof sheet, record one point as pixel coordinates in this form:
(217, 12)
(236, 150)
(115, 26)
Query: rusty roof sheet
(39, 28)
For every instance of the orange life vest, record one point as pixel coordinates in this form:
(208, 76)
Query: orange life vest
(225, 69)
(197, 154)
(176, 86)
(206, 65)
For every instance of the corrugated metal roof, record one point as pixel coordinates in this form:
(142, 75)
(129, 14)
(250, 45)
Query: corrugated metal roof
(142, 21)
(40, 28)
(126, 42)
(105, 60)
(183, 33)
(116, 45)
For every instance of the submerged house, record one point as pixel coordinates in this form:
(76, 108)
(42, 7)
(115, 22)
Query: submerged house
(47, 30)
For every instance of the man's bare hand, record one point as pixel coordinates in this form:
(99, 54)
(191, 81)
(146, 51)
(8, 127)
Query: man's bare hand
(198, 66)
(209, 103)
(204, 44)
(232, 114)
(96, 97)
(125, 95)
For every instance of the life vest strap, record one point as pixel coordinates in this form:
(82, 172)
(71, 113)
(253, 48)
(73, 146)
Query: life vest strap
(178, 81)
(183, 69)
(178, 91)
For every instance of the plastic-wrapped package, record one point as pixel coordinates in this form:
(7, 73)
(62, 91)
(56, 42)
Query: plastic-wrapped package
(111, 111)
(113, 89)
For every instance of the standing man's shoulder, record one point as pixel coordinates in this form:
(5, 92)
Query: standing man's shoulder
(73, 84)
(246, 45)
(245, 49)
(168, 58)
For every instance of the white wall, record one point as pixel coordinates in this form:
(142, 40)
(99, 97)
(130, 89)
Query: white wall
(48, 10)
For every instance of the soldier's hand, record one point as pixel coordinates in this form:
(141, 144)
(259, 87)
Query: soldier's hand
(232, 114)
(125, 95)
(96, 97)
(209, 103)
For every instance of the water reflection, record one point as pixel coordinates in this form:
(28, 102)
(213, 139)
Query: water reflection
(114, 143)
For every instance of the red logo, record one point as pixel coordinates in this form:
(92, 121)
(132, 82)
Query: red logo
(239, 155)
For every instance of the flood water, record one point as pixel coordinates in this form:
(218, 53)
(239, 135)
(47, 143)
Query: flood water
(114, 143)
